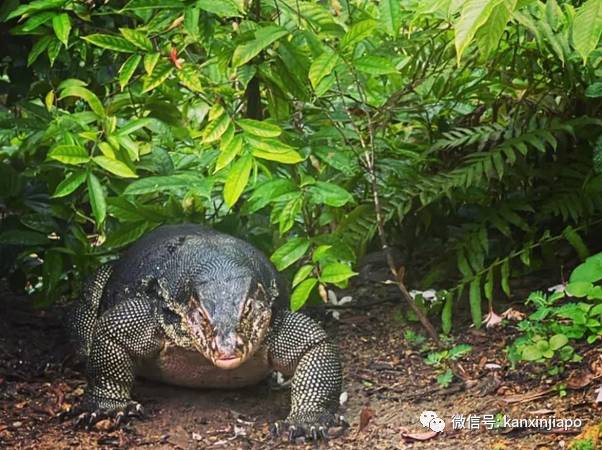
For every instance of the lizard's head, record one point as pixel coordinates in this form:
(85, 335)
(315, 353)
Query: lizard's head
(229, 318)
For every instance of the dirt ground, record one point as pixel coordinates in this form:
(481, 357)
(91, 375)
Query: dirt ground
(387, 384)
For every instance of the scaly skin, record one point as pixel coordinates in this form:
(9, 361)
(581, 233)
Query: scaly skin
(210, 294)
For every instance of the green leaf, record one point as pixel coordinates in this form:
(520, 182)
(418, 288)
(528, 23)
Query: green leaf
(228, 152)
(259, 128)
(594, 90)
(115, 167)
(107, 150)
(69, 184)
(459, 351)
(191, 21)
(86, 95)
(168, 183)
(329, 194)
(474, 15)
(446, 314)
(587, 27)
(321, 252)
(110, 42)
(237, 180)
(302, 274)
(322, 66)
(375, 65)
(69, 154)
(273, 150)
(266, 192)
(287, 216)
(150, 61)
(289, 253)
(505, 277)
(127, 70)
(358, 32)
(390, 16)
(336, 272)
(557, 341)
(489, 35)
(135, 125)
(35, 6)
(126, 234)
(218, 124)
(575, 240)
(53, 50)
(578, 288)
(264, 37)
(301, 293)
(189, 77)
(488, 288)
(444, 379)
(97, 199)
(475, 302)
(595, 293)
(37, 20)
(285, 157)
(531, 353)
(61, 24)
(37, 49)
(141, 5)
(590, 270)
(155, 79)
(222, 8)
(137, 38)
(23, 237)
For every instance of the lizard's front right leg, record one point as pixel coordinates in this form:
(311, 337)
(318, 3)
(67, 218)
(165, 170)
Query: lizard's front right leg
(123, 336)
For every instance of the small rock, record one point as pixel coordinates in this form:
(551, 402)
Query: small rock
(197, 436)
(17, 424)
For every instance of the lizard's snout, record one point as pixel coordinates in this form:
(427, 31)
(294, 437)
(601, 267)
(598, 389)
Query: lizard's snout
(228, 351)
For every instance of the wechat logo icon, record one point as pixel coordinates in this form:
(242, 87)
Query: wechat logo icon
(430, 419)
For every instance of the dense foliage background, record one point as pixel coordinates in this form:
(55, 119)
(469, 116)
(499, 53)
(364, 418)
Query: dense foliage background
(471, 130)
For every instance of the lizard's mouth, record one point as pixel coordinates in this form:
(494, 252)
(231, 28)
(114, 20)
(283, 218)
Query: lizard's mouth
(205, 341)
(229, 362)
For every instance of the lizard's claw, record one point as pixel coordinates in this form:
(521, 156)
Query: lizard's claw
(313, 426)
(92, 412)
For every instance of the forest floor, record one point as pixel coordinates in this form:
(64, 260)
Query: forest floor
(387, 381)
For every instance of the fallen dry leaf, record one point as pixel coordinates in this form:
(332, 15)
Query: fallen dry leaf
(599, 396)
(176, 23)
(365, 416)
(526, 397)
(423, 436)
(542, 411)
(513, 314)
(103, 425)
(579, 379)
(492, 319)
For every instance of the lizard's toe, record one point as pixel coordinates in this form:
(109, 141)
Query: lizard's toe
(312, 426)
(92, 411)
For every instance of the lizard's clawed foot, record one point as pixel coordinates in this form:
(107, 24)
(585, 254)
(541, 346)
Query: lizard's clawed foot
(313, 425)
(90, 412)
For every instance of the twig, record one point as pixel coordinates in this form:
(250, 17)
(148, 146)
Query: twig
(369, 161)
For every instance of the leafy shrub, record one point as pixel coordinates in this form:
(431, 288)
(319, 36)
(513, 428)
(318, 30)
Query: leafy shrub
(475, 123)
(555, 324)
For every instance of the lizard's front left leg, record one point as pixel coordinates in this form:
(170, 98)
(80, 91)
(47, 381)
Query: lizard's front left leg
(299, 346)
(123, 336)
